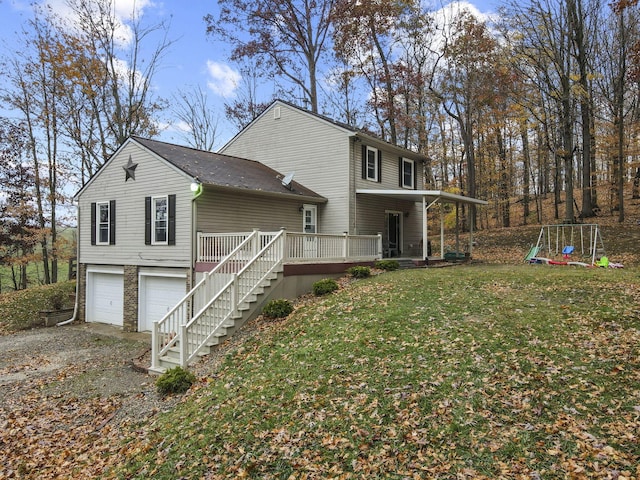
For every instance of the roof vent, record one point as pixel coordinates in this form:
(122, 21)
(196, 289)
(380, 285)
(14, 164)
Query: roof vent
(276, 113)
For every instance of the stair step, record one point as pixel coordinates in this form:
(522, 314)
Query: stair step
(405, 263)
(170, 361)
(244, 311)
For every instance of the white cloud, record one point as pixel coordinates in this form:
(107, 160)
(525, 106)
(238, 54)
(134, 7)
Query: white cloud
(223, 80)
(123, 11)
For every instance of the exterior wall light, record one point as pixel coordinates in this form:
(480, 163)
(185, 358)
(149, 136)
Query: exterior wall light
(196, 187)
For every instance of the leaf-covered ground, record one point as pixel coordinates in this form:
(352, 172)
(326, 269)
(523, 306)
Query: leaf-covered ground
(67, 395)
(468, 372)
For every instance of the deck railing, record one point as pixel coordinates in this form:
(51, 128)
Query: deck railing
(244, 261)
(299, 247)
(213, 248)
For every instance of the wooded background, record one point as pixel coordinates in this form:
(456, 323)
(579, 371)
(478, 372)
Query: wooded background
(540, 99)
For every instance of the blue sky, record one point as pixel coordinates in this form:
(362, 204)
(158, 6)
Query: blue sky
(195, 59)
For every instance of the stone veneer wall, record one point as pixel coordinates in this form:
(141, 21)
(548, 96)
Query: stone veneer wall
(130, 300)
(81, 278)
(130, 306)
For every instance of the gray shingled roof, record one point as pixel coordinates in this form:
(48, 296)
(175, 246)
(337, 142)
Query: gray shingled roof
(224, 170)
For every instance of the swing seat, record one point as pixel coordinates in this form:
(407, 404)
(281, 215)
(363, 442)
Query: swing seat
(567, 251)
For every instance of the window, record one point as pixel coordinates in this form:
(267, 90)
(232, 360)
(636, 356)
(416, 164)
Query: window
(371, 163)
(407, 173)
(103, 223)
(160, 220)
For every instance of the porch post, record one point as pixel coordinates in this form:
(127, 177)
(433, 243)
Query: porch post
(425, 240)
(345, 245)
(441, 231)
(255, 244)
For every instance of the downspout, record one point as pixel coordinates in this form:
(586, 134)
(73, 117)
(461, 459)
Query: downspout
(197, 189)
(75, 305)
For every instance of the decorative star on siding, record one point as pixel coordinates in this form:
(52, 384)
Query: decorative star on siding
(130, 170)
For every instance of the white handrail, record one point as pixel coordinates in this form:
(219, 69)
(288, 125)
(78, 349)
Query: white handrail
(165, 332)
(224, 304)
(300, 247)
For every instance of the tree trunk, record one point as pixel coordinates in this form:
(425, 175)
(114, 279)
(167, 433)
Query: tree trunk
(526, 186)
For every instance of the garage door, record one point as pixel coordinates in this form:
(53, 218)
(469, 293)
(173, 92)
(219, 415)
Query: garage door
(158, 295)
(105, 297)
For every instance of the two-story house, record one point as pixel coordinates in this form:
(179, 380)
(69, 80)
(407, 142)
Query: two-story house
(361, 176)
(183, 242)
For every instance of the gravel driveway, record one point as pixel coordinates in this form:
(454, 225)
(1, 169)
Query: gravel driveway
(99, 358)
(66, 394)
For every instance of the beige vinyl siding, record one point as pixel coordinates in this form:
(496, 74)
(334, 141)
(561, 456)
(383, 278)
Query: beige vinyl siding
(390, 171)
(220, 211)
(370, 220)
(317, 151)
(153, 177)
(369, 217)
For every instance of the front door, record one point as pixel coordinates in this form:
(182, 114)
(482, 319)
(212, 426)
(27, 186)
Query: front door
(310, 226)
(394, 229)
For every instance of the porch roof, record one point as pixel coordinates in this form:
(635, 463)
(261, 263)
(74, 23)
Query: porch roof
(420, 195)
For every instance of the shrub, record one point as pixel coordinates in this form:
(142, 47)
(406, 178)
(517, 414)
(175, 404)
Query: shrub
(21, 309)
(175, 380)
(359, 271)
(278, 308)
(322, 287)
(387, 265)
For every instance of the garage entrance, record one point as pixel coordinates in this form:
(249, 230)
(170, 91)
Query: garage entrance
(105, 293)
(159, 292)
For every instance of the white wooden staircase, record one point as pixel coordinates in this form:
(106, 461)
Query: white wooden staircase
(220, 303)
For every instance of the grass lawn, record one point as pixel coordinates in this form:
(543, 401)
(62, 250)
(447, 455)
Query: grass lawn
(468, 372)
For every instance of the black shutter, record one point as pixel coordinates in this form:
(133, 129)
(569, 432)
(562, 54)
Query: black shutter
(400, 172)
(147, 221)
(415, 175)
(379, 166)
(93, 223)
(171, 234)
(112, 222)
(364, 162)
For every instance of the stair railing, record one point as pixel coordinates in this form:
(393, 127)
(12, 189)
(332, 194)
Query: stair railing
(239, 289)
(165, 332)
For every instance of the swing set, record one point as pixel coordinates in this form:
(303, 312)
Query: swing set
(567, 240)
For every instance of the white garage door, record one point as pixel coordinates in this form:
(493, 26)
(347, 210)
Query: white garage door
(105, 297)
(158, 295)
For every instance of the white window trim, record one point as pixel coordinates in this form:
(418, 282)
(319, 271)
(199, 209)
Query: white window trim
(375, 164)
(314, 216)
(98, 223)
(153, 221)
(413, 173)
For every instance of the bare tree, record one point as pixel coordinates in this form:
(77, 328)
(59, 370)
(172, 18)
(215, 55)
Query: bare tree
(618, 35)
(246, 106)
(19, 230)
(544, 48)
(464, 84)
(198, 121)
(116, 77)
(285, 38)
(365, 35)
(35, 91)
